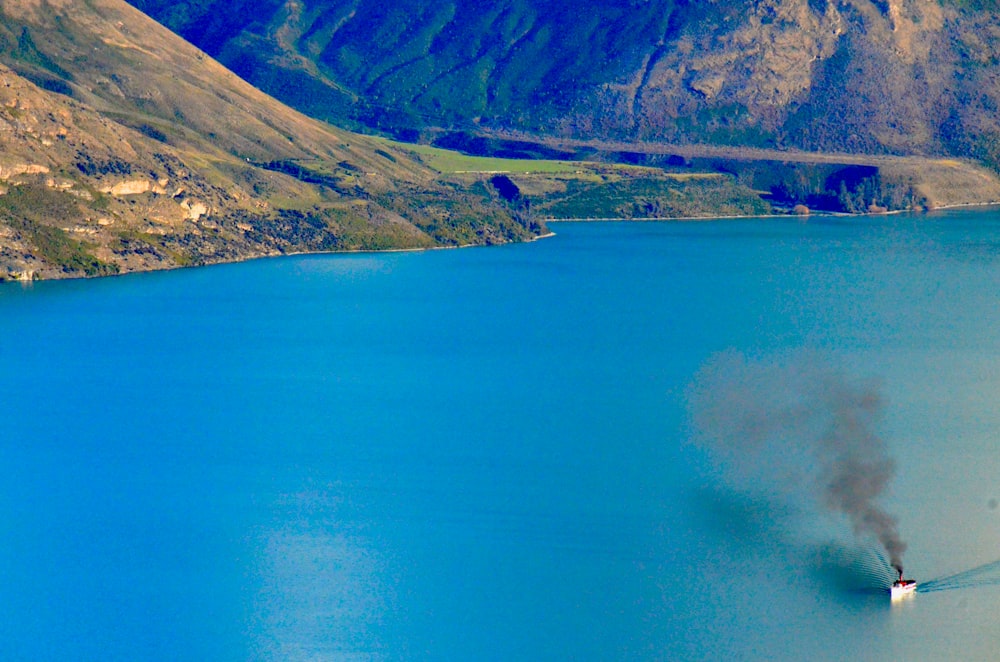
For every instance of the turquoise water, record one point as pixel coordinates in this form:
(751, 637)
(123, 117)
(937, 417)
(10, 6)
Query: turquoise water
(484, 453)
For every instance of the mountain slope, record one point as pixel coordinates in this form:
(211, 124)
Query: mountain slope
(862, 76)
(123, 147)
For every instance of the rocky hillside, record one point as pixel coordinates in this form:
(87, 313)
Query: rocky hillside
(861, 76)
(122, 148)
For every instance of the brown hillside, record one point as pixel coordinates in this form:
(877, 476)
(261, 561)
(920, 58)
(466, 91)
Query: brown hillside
(122, 147)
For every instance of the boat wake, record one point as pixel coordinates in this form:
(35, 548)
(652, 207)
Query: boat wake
(856, 570)
(987, 574)
(863, 570)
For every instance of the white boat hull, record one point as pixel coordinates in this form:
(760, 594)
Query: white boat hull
(902, 589)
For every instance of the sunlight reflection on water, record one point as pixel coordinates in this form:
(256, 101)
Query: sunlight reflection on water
(321, 594)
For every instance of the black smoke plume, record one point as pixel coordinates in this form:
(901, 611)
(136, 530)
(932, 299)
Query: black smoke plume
(798, 427)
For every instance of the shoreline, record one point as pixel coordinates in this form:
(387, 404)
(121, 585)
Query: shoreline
(966, 205)
(356, 251)
(361, 251)
(550, 234)
(839, 214)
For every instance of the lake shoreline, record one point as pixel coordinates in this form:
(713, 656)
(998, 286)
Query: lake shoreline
(360, 251)
(894, 212)
(683, 219)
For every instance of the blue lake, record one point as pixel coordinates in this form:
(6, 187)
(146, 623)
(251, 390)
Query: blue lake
(485, 453)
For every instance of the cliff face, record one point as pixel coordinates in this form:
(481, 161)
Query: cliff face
(896, 76)
(122, 148)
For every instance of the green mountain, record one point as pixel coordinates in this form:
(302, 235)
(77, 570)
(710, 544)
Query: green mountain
(857, 76)
(125, 148)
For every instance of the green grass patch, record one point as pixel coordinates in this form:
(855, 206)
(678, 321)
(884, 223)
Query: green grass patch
(449, 162)
(582, 189)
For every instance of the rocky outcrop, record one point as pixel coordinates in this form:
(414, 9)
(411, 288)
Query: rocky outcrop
(194, 209)
(766, 61)
(11, 171)
(134, 187)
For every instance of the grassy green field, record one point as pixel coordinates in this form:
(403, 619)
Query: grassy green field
(449, 162)
(557, 189)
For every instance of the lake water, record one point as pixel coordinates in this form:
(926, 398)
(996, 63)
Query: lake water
(485, 454)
